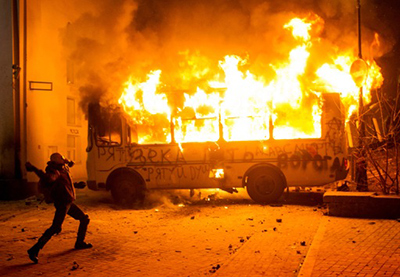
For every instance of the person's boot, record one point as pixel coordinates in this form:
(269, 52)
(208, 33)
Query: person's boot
(82, 245)
(80, 241)
(33, 253)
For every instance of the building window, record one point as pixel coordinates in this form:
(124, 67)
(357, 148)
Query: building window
(74, 116)
(73, 148)
(71, 111)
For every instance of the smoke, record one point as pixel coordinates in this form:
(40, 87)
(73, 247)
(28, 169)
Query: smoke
(110, 41)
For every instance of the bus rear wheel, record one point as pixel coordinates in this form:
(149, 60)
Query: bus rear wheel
(265, 185)
(126, 190)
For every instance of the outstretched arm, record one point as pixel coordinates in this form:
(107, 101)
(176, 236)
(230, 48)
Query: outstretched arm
(31, 168)
(49, 176)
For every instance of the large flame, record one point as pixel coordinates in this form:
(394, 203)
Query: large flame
(246, 104)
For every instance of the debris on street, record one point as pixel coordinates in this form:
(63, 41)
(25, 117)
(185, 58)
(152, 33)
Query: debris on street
(75, 266)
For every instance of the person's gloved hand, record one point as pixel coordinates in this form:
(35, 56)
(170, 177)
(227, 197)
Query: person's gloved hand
(29, 167)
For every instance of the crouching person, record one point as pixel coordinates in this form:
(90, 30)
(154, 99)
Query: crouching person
(57, 182)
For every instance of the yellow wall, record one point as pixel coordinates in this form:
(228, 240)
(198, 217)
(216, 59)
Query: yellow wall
(46, 61)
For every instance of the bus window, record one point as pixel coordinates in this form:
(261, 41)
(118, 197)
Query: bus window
(246, 128)
(109, 131)
(155, 130)
(197, 130)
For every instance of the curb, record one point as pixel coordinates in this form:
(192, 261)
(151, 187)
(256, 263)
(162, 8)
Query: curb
(312, 253)
(362, 205)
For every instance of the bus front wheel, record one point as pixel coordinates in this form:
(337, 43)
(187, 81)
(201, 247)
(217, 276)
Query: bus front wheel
(265, 185)
(126, 190)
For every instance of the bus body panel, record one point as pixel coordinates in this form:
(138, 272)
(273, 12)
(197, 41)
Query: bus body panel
(303, 162)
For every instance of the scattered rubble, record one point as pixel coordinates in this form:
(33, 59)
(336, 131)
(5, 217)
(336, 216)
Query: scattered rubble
(215, 268)
(75, 266)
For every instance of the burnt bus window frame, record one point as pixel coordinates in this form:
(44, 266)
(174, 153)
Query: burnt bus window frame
(129, 136)
(110, 143)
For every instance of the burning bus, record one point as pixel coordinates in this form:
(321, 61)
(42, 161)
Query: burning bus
(120, 162)
(228, 128)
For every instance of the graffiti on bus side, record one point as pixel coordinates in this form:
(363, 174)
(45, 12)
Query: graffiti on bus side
(140, 156)
(163, 163)
(170, 156)
(301, 160)
(192, 172)
(260, 152)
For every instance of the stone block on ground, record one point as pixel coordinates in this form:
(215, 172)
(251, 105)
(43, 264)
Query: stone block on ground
(362, 204)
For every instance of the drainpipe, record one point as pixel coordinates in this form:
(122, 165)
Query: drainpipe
(24, 155)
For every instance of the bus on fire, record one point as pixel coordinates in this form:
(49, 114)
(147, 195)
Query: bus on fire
(119, 161)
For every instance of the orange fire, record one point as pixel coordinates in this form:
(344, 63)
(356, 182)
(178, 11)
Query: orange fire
(247, 104)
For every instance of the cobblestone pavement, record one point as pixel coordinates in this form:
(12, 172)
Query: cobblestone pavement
(196, 239)
(277, 252)
(340, 247)
(222, 239)
(354, 247)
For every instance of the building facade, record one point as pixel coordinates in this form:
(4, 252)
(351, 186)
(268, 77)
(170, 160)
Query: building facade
(39, 100)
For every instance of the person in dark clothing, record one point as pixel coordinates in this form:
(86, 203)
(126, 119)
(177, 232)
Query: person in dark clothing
(58, 182)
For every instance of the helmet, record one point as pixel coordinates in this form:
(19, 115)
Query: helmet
(57, 158)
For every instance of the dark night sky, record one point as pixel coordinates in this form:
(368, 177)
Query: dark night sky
(387, 22)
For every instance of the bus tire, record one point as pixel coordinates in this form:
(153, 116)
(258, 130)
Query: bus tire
(265, 185)
(127, 190)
